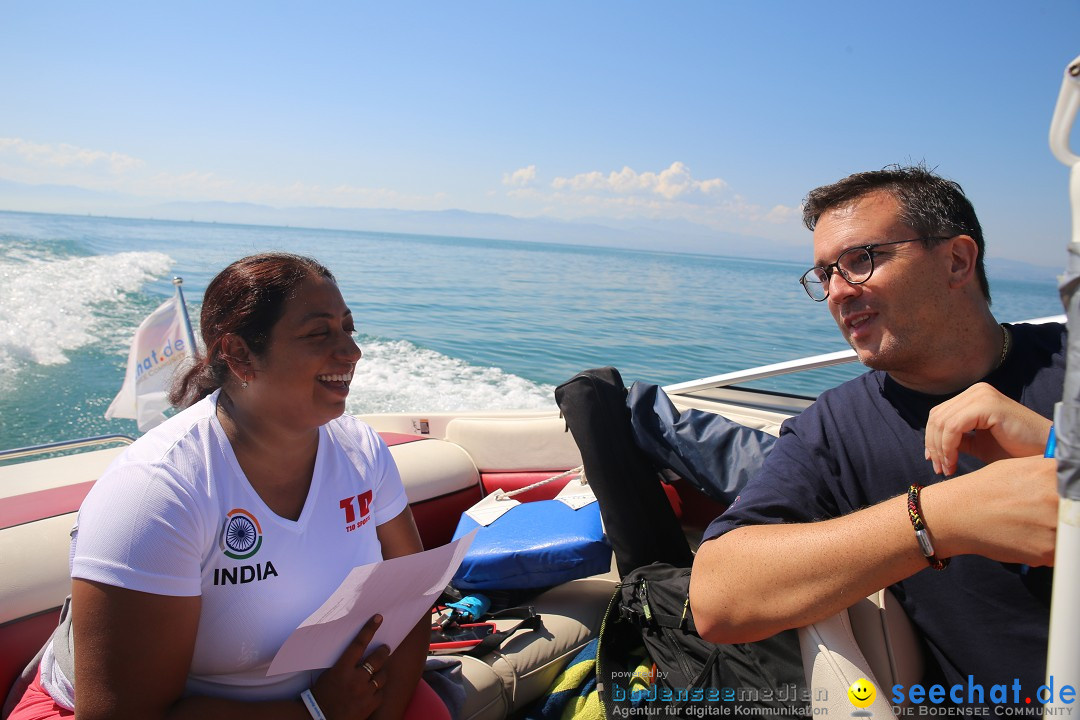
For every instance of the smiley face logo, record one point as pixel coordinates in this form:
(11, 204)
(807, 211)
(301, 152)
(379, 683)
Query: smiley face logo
(862, 693)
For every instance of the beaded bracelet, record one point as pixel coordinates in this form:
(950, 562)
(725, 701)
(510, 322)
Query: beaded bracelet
(922, 535)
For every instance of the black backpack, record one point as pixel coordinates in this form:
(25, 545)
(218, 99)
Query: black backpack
(651, 605)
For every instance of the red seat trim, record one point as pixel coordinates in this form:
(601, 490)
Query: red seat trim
(510, 481)
(41, 504)
(52, 502)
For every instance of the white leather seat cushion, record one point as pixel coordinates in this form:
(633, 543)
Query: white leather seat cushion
(528, 662)
(873, 639)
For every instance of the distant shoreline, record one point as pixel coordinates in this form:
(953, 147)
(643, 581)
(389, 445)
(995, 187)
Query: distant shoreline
(997, 267)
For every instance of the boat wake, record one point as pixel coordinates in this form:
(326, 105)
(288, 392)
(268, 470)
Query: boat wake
(398, 376)
(51, 307)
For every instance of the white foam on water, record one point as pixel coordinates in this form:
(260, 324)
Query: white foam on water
(51, 306)
(398, 376)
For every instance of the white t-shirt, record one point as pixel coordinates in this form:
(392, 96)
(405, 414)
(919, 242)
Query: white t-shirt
(175, 515)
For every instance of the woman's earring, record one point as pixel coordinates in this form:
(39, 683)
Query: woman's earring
(244, 384)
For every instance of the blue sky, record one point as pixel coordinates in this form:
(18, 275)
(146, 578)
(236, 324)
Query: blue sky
(721, 114)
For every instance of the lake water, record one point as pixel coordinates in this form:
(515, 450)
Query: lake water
(445, 323)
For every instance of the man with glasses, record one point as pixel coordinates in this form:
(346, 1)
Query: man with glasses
(839, 511)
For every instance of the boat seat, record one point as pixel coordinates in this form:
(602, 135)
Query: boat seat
(506, 680)
(500, 444)
(441, 482)
(873, 639)
(37, 511)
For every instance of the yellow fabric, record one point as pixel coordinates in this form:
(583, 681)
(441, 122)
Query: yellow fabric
(587, 707)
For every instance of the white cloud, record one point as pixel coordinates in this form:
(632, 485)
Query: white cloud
(782, 213)
(36, 163)
(669, 194)
(673, 182)
(67, 156)
(520, 177)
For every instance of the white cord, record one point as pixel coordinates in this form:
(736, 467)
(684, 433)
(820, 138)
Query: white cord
(573, 471)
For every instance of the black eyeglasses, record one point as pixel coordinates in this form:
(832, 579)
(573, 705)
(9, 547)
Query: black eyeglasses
(855, 265)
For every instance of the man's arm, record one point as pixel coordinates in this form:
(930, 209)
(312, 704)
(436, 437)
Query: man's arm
(756, 581)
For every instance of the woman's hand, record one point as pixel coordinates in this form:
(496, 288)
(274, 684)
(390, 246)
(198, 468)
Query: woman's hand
(984, 423)
(352, 688)
(348, 689)
(398, 537)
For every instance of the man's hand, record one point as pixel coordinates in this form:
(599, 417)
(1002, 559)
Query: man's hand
(1006, 511)
(984, 423)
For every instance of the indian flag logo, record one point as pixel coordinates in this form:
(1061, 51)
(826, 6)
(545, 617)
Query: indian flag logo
(241, 537)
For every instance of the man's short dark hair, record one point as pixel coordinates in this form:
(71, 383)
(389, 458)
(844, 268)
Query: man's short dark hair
(929, 204)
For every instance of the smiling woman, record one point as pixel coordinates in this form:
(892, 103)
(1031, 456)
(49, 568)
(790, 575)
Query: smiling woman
(247, 482)
(289, 377)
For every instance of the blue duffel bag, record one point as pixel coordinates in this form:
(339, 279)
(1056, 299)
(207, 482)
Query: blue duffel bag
(533, 545)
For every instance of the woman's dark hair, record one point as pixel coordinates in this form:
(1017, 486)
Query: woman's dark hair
(929, 204)
(245, 299)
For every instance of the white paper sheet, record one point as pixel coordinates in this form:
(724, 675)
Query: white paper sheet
(402, 590)
(576, 494)
(492, 507)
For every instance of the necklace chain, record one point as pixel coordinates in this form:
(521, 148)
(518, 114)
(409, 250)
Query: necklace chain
(1005, 342)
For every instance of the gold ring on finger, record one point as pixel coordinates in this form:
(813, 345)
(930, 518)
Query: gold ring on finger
(370, 670)
(376, 684)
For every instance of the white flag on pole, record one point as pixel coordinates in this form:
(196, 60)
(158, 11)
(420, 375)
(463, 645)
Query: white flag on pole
(159, 348)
